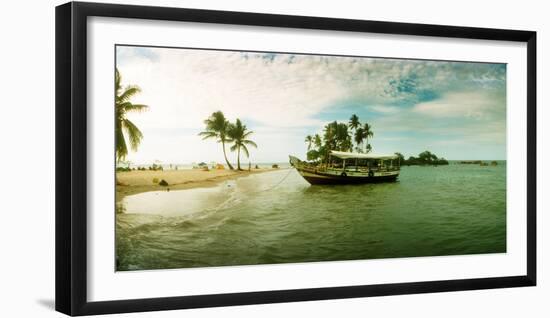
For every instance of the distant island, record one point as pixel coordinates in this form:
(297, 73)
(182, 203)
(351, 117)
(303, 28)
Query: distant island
(478, 162)
(425, 158)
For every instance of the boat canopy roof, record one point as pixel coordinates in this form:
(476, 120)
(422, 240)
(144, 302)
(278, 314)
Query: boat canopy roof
(356, 155)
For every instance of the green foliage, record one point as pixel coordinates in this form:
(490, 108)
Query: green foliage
(309, 141)
(156, 167)
(125, 130)
(340, 137)
(220, 129)
(358, 138)
(238, 134)
(400, 157)
(217, 128)
(367, 133)
(354, 122)
(313, 155)
(425, 158)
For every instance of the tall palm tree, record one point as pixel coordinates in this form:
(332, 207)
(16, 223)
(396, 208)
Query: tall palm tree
(216, 128)
(309, 141)
(330, 135)
(122, 123)
(317, 141)
(238, 134)
(367, 133)
(343, 137)
(354, 122)
(358, 138)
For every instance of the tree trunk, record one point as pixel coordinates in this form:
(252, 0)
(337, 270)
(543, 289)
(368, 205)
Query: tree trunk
(225, 156)
(239, 158)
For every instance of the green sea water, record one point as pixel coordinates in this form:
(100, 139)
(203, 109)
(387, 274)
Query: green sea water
(277, 217)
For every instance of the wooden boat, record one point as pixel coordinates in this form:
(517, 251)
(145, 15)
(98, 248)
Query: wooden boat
(349, 168)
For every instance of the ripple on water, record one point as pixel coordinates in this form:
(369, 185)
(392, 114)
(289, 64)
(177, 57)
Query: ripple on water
(457, 209)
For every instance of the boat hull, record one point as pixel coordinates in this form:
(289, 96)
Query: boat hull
(318, 178)
(314, 175)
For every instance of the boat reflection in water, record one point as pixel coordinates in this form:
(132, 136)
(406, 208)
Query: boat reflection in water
(349, 168)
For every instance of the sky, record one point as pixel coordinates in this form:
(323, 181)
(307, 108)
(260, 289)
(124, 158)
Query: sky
(456, 110)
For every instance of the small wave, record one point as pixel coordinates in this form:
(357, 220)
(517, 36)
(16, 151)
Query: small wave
(185, 224)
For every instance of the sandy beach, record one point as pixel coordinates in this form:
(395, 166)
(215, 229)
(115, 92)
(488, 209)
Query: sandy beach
(132, 182)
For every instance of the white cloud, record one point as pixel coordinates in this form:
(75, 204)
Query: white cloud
(188, 85)
(472, 104)
(385, 109)
(280, 97)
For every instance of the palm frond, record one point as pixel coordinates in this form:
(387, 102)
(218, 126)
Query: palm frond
(250, 142)
(120, 144)
(247, 133)
(128, 93)
(245, 150)
(117, 81)
(208, 134)
(134, 134)
(129, 107)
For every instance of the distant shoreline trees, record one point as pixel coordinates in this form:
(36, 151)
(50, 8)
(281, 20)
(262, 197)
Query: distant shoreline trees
(425, 158)
(340, 137)
(355, 136)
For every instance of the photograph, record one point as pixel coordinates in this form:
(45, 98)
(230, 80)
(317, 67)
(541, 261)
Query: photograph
(228, 157)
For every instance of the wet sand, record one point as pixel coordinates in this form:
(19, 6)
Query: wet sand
(132, 182)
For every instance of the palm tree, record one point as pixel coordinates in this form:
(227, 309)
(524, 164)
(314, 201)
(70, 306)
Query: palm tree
(217, 127)
(330, 135)
(343, 137)
(317, 141)
(368, 148)
(238, 134)
(367, 133)
(354, 122)
(122, 123)
(309, 141)
(358, 138)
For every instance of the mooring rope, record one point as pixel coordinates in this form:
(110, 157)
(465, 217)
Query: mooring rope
(278, 183)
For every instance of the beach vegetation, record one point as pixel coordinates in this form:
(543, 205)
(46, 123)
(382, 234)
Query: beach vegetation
(239, 135)
(309, 141)
(425, 158)
(217, 127)
(367, 133)
(123, 169)
(126, 132)
(156, 167)
(339, 136)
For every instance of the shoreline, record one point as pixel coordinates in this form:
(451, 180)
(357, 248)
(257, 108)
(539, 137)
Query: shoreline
(134, 182)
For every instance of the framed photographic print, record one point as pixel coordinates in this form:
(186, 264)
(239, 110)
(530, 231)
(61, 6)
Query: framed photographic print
(210, 158)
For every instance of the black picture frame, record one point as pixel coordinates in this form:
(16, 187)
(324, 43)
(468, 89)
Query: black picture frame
(71, 157)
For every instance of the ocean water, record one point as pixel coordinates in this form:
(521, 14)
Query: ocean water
(277, 217)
